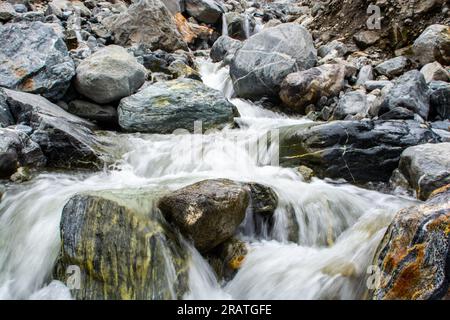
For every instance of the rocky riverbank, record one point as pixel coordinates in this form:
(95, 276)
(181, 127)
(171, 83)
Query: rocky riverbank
(87, 86)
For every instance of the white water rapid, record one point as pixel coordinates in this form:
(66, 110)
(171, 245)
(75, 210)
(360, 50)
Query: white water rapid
(338, 225)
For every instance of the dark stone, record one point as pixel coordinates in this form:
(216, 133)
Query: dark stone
(209, 212)
(440, 100)
(358, 151)
(65, 139)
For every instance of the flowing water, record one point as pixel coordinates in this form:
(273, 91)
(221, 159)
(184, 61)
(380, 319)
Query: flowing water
(322, 241)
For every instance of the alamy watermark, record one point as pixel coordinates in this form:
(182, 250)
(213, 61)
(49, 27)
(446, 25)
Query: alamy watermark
(374, 20)
(73, 281)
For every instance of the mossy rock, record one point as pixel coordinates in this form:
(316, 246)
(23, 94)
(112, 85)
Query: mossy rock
(122, 246)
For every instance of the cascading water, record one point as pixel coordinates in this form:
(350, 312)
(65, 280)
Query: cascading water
(246, 26)
(224, 25)
(326, 255)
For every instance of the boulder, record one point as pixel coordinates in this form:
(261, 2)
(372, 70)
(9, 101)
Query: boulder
(433, 45)
(351, 104)
(58, 7)
(358, 151)
(303, 88)
(435, 72)
(440, 99)
(146, 22)
(426, 167)
(266, 58)
(365, 39)
(166, 106)
(17, 149)
(123, 246)
(104, 115)
(410, 91)
(364, 75)
(208, 212)
(377, 84)
(33, 58)
(393, 67)
(207, 11)
(334, 45)
(413, 255)
(7, 11)
(109, 75)
(65, 139)
(223, 47)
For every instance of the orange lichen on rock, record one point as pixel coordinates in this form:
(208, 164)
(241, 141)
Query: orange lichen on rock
(189, 31)
(407, 282)
(236, 262)
(440, 190)
(27, 85)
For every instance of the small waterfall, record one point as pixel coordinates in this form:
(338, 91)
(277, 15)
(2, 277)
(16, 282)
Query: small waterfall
(224, 25)
(246, 26)
(320, 246)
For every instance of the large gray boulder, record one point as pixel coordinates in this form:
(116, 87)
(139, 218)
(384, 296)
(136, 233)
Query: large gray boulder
(208, 212)
(426, 167)
(358, 151)
(123, 247)
(433, 45)
(146, 22)
(266, 58)
(303, 88)
(65, 139)
(33, 58)
(109, 75)
(166, 106)
(413, 255)
(208, 11)
(410, 92)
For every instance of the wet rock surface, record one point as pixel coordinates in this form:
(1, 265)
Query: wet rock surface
(413, 255)
(208, 212)
(358, 151)
(122, 253)
(166, 106)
